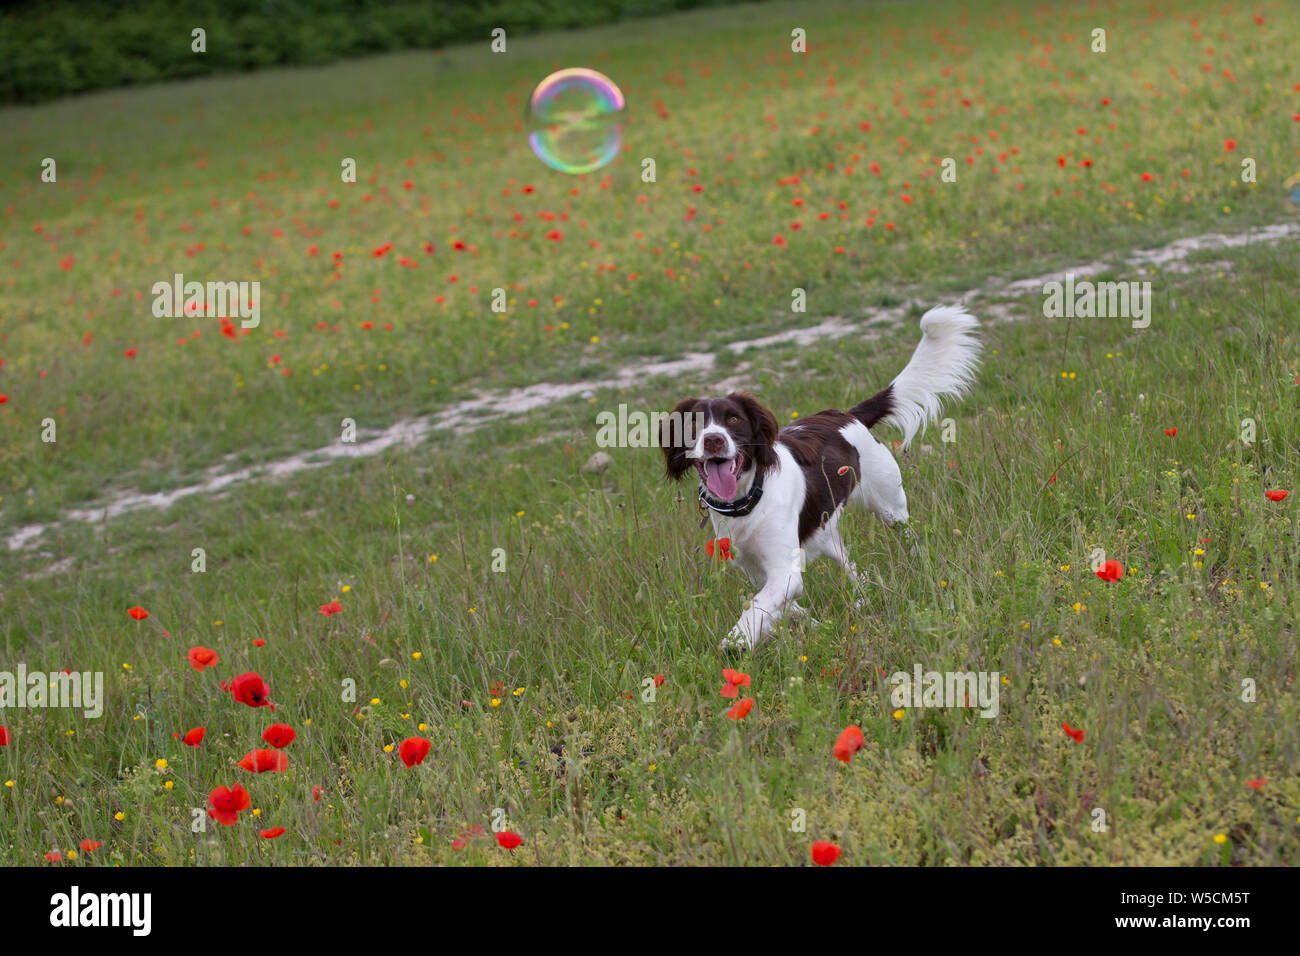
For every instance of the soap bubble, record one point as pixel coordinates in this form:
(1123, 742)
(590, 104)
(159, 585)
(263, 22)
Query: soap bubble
(575, 119)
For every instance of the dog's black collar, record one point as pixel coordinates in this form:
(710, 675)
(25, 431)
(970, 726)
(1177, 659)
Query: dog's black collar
(741, 506)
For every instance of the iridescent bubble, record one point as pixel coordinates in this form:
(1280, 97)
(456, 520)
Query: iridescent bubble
(1292, 187)
(575, 120)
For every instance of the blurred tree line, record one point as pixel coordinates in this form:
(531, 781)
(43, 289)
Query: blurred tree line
(51, 48)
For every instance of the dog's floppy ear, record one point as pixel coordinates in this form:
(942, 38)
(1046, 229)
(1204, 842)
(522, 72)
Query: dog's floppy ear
(764, 427)
(676, 434)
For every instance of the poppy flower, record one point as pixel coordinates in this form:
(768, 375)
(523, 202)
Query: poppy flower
(279, 735)
(849, 742)
(1076, 733)
(250, 689)
(723, 549)
(1171, 432)
(54, 856)
(271, 834)
(1276, 494)
(193, 737)
(734, 680)
(137, 612)
(227, 803)
(824, 853)
(413, 750)
(740, 709)
(334, 607)
(1112, 570)
(509, 839)
(260, 761)
(90, 846)
(659, 680)
(1257, 784)
(4, 736)
(259, 642)
(201, 658)
(316, 792)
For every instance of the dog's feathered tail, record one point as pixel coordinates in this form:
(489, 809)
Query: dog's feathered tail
(943, 365)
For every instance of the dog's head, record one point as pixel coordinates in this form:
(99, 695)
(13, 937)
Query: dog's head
(723, 438)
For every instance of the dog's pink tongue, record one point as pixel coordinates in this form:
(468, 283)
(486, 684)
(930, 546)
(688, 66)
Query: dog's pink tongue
(719, 480)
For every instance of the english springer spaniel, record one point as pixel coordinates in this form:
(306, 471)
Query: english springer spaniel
(778, 495)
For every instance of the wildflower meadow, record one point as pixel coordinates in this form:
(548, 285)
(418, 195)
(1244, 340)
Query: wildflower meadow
(310, 554)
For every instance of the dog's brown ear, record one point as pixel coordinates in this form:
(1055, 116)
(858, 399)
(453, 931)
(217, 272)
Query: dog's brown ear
(676, 435)
(764, 427)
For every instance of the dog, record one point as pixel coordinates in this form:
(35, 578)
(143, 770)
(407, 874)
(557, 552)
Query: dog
(779, 494)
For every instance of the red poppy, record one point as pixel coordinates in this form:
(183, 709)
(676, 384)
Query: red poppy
(316, 792)
(137, 612)
(260, 761)
(1171, 432)
(54, 856)
(413, 750)
(227, 803)
(824, 853)
(1111, 571)
(1076, 733)
(279, 735)
(1276, 494)
(90, 846)
(4, 736)
(723, 549)
(659, 680)
(735, 680)
(193, 737)
(250, 689)
(201, 658)
(509, 839)
(1230, 144)
(740, 709)
(334, 607)
(259, 642)
(271, 834)
(849, 742)
(1257, 783)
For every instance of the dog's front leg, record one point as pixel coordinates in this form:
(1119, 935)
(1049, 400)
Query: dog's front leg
(780, 590)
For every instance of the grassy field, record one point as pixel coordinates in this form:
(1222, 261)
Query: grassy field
(776, 171)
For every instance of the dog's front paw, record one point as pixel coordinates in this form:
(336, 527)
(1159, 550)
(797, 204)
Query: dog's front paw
(736, 642)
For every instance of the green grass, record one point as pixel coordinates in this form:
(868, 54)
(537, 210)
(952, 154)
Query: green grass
(606, 582)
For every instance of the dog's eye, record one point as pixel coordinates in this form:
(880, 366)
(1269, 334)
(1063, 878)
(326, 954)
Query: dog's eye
(733, 420)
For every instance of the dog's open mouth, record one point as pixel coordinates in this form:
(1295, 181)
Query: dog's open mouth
(719, 475)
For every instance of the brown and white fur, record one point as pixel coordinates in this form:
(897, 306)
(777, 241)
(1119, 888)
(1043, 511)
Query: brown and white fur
(812, 467)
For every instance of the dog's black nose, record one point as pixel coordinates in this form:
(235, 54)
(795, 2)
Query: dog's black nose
(714, 445)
